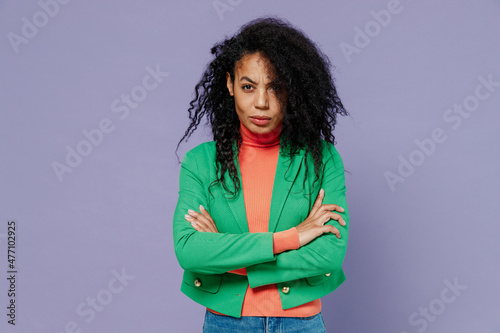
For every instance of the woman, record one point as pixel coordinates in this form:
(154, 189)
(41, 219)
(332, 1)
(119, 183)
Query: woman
(261, 224)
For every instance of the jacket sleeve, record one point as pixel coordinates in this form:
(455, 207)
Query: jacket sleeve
(207, 252)
(323, 255)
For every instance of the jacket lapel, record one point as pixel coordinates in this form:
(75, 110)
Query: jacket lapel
(286, 175)
(284, 178)
(236, 204)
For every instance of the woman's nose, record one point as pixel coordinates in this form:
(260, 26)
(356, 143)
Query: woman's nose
(261, 99)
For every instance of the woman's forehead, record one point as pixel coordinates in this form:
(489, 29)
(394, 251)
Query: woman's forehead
(254, 64)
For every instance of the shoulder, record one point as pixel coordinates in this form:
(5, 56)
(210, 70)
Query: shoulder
(331, 156)
(202, 154)
(202, 149)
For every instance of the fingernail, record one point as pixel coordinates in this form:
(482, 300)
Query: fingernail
(190, 211)
(202, 208)
(194, 224)
(342, 209)
(321, 191)
(187, 216)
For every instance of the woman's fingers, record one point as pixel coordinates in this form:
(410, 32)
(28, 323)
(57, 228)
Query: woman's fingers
(194, 222)
(319, 206)
(329, 215)
(202, 219)
(332, 207)
(317, 203)
(209, 217)
(310, 231)
(332, 229)
(327, 210)
(316, 222)
(201, 222)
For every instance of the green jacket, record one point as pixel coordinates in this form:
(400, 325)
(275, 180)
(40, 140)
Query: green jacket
(301, 275)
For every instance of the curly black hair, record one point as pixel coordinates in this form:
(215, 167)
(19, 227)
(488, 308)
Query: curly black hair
(303, 72)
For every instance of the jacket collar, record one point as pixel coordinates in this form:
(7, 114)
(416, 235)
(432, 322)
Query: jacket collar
(287, 171)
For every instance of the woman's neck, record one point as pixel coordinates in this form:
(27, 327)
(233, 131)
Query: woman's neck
(260, 140)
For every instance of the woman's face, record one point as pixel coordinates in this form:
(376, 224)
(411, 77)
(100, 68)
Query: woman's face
(255, 94)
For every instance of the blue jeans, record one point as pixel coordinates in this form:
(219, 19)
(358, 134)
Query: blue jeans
(225, 324)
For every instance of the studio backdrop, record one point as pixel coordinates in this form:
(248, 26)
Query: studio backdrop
(93, 101)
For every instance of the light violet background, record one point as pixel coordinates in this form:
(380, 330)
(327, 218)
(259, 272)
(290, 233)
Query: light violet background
(112, 214)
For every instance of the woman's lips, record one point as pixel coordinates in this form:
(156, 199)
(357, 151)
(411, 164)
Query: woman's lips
(260, 120)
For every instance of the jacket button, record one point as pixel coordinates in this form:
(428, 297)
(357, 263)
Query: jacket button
(328, 274)
(285, 290)
(197, 283)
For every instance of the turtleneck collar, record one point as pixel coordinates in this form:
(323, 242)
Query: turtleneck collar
(260, 140)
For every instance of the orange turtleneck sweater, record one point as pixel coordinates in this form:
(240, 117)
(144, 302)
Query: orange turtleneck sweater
(258, 158)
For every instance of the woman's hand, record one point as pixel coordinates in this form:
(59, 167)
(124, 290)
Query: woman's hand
(201, 221)
(314, 225)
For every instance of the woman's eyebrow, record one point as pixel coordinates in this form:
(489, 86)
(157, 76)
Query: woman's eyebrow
(248, 79)
(253, 82)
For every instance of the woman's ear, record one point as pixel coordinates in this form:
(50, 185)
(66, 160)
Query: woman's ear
(229, 84)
